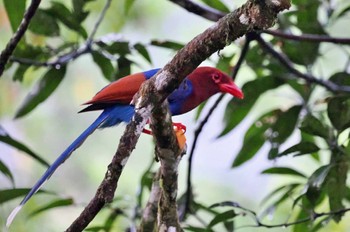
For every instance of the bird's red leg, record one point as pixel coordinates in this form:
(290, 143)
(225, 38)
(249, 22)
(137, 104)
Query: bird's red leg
(180, 131)
(146, 131)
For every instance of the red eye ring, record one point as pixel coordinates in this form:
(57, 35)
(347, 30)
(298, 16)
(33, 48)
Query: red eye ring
(216, 78)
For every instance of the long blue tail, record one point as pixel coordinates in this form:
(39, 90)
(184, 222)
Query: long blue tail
(104, 117)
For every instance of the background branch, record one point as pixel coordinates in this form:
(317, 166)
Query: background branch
(307, 77)
(12, 44)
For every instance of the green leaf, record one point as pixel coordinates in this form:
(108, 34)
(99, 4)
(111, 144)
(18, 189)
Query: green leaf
(314, 126)
(282, 171)
(42, 90)
(143, 51)
(197, 229)
(61, 12)
(167, 44)
(222, 217)
(237, 109)
(285, 124)
(20, 71)
(341, 78)
(336, 182)
(124, 67)
(78, 10)
(53, 204)
(15, 12)
(118, 47)
(339, 112)
(10, 194)
(304, 147)
(6, 138)
(104, 64)
(254, 138)
(283, 128)
(315, 183)
(44, 24)
(6, 171)
(217, 4)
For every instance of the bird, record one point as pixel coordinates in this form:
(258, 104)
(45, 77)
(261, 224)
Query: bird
(115, 102)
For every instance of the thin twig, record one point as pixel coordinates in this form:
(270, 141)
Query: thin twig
(12, 44)
(98, 22)
(312, 217)
(203, 11)
(308, 37)
(289, 65)
(188, 194)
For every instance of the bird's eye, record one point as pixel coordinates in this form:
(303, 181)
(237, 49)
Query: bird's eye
(216, 78)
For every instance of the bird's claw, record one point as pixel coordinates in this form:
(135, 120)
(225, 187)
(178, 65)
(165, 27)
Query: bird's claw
(179, 127)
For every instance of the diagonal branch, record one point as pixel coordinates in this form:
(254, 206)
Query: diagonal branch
(12, 44)
(205, 12)
(308, 37)
(329, 85)
(249, 17)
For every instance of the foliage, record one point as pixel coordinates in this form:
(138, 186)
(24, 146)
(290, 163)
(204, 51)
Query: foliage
(318, 117)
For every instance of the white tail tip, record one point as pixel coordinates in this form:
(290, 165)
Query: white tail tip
(12, 215)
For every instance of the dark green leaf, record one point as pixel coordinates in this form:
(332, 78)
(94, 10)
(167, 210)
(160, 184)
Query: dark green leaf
(217, 4)
(61, 12)
(6, 138)
(341, 78)
(197, 229)
(51, 205)
(339, 112)
(224, 64)
(44, 24)
(282, 171)
(6, 171)
(124, 67)
(78, 10)
(304, 147)
(307, 22)
(118, 47)
(10, 194)
(315, 183)
(336, 182)
(167, 44)
(20, 71)
(104, 64)
(254, 138)
(222, 217)
(285, 124)
(42, 90)
(237, 109)
(143, 51)
(15, 12)
(314, 126)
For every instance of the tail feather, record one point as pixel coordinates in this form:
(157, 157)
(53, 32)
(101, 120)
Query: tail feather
(65, 155)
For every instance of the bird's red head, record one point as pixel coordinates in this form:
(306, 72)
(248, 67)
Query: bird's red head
(213, 79)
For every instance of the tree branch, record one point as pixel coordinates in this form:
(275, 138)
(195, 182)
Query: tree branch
(308, 37)
(205, 12)
(252, 15)
(169, 155)
(149, 216)
(11, 45)
(290, 67)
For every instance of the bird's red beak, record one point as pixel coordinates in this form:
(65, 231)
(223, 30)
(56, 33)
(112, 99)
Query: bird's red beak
(232, 89)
